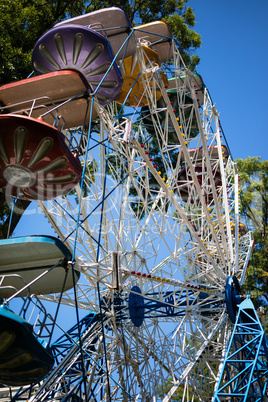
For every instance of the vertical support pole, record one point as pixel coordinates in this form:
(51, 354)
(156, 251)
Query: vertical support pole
(103, 157)
(236, 188)
(115, 268)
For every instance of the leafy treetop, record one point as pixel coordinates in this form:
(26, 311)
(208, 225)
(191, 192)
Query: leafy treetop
(22, 22)
(254, 204)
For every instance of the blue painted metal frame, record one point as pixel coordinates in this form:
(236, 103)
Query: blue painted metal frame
(244, 372)
(59, 350)
(64, 350)
(141, 307)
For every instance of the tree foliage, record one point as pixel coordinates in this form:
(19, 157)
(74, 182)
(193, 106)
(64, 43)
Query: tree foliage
(22, 22)
(254, 205)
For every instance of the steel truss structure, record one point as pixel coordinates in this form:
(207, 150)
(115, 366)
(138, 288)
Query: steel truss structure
(152, 228)
(244, 371)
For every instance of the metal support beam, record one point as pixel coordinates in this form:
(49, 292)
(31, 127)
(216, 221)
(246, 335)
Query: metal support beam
(245, 369)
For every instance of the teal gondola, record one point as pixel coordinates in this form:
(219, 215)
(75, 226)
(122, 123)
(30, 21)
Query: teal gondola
(24, 358)
(24, 259)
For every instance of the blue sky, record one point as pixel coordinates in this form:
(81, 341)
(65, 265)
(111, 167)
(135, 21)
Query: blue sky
(234, 56)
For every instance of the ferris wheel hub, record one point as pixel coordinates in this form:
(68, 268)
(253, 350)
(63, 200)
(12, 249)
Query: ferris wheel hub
(19, 176)
(136, 306)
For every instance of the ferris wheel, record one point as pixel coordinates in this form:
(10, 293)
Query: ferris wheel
(122, 147)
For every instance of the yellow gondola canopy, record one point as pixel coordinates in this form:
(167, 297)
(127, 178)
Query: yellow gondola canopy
(137, 72)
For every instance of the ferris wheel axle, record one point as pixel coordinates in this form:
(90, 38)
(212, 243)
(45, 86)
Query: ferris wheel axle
(232, 297)
(169, 306)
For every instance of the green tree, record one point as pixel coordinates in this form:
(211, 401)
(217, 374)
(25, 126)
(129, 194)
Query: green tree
(22, 22)
(254, 203)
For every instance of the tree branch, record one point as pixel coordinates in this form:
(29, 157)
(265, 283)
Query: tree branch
(8, 227)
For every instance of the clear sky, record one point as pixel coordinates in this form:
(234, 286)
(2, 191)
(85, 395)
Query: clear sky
(234, 56)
